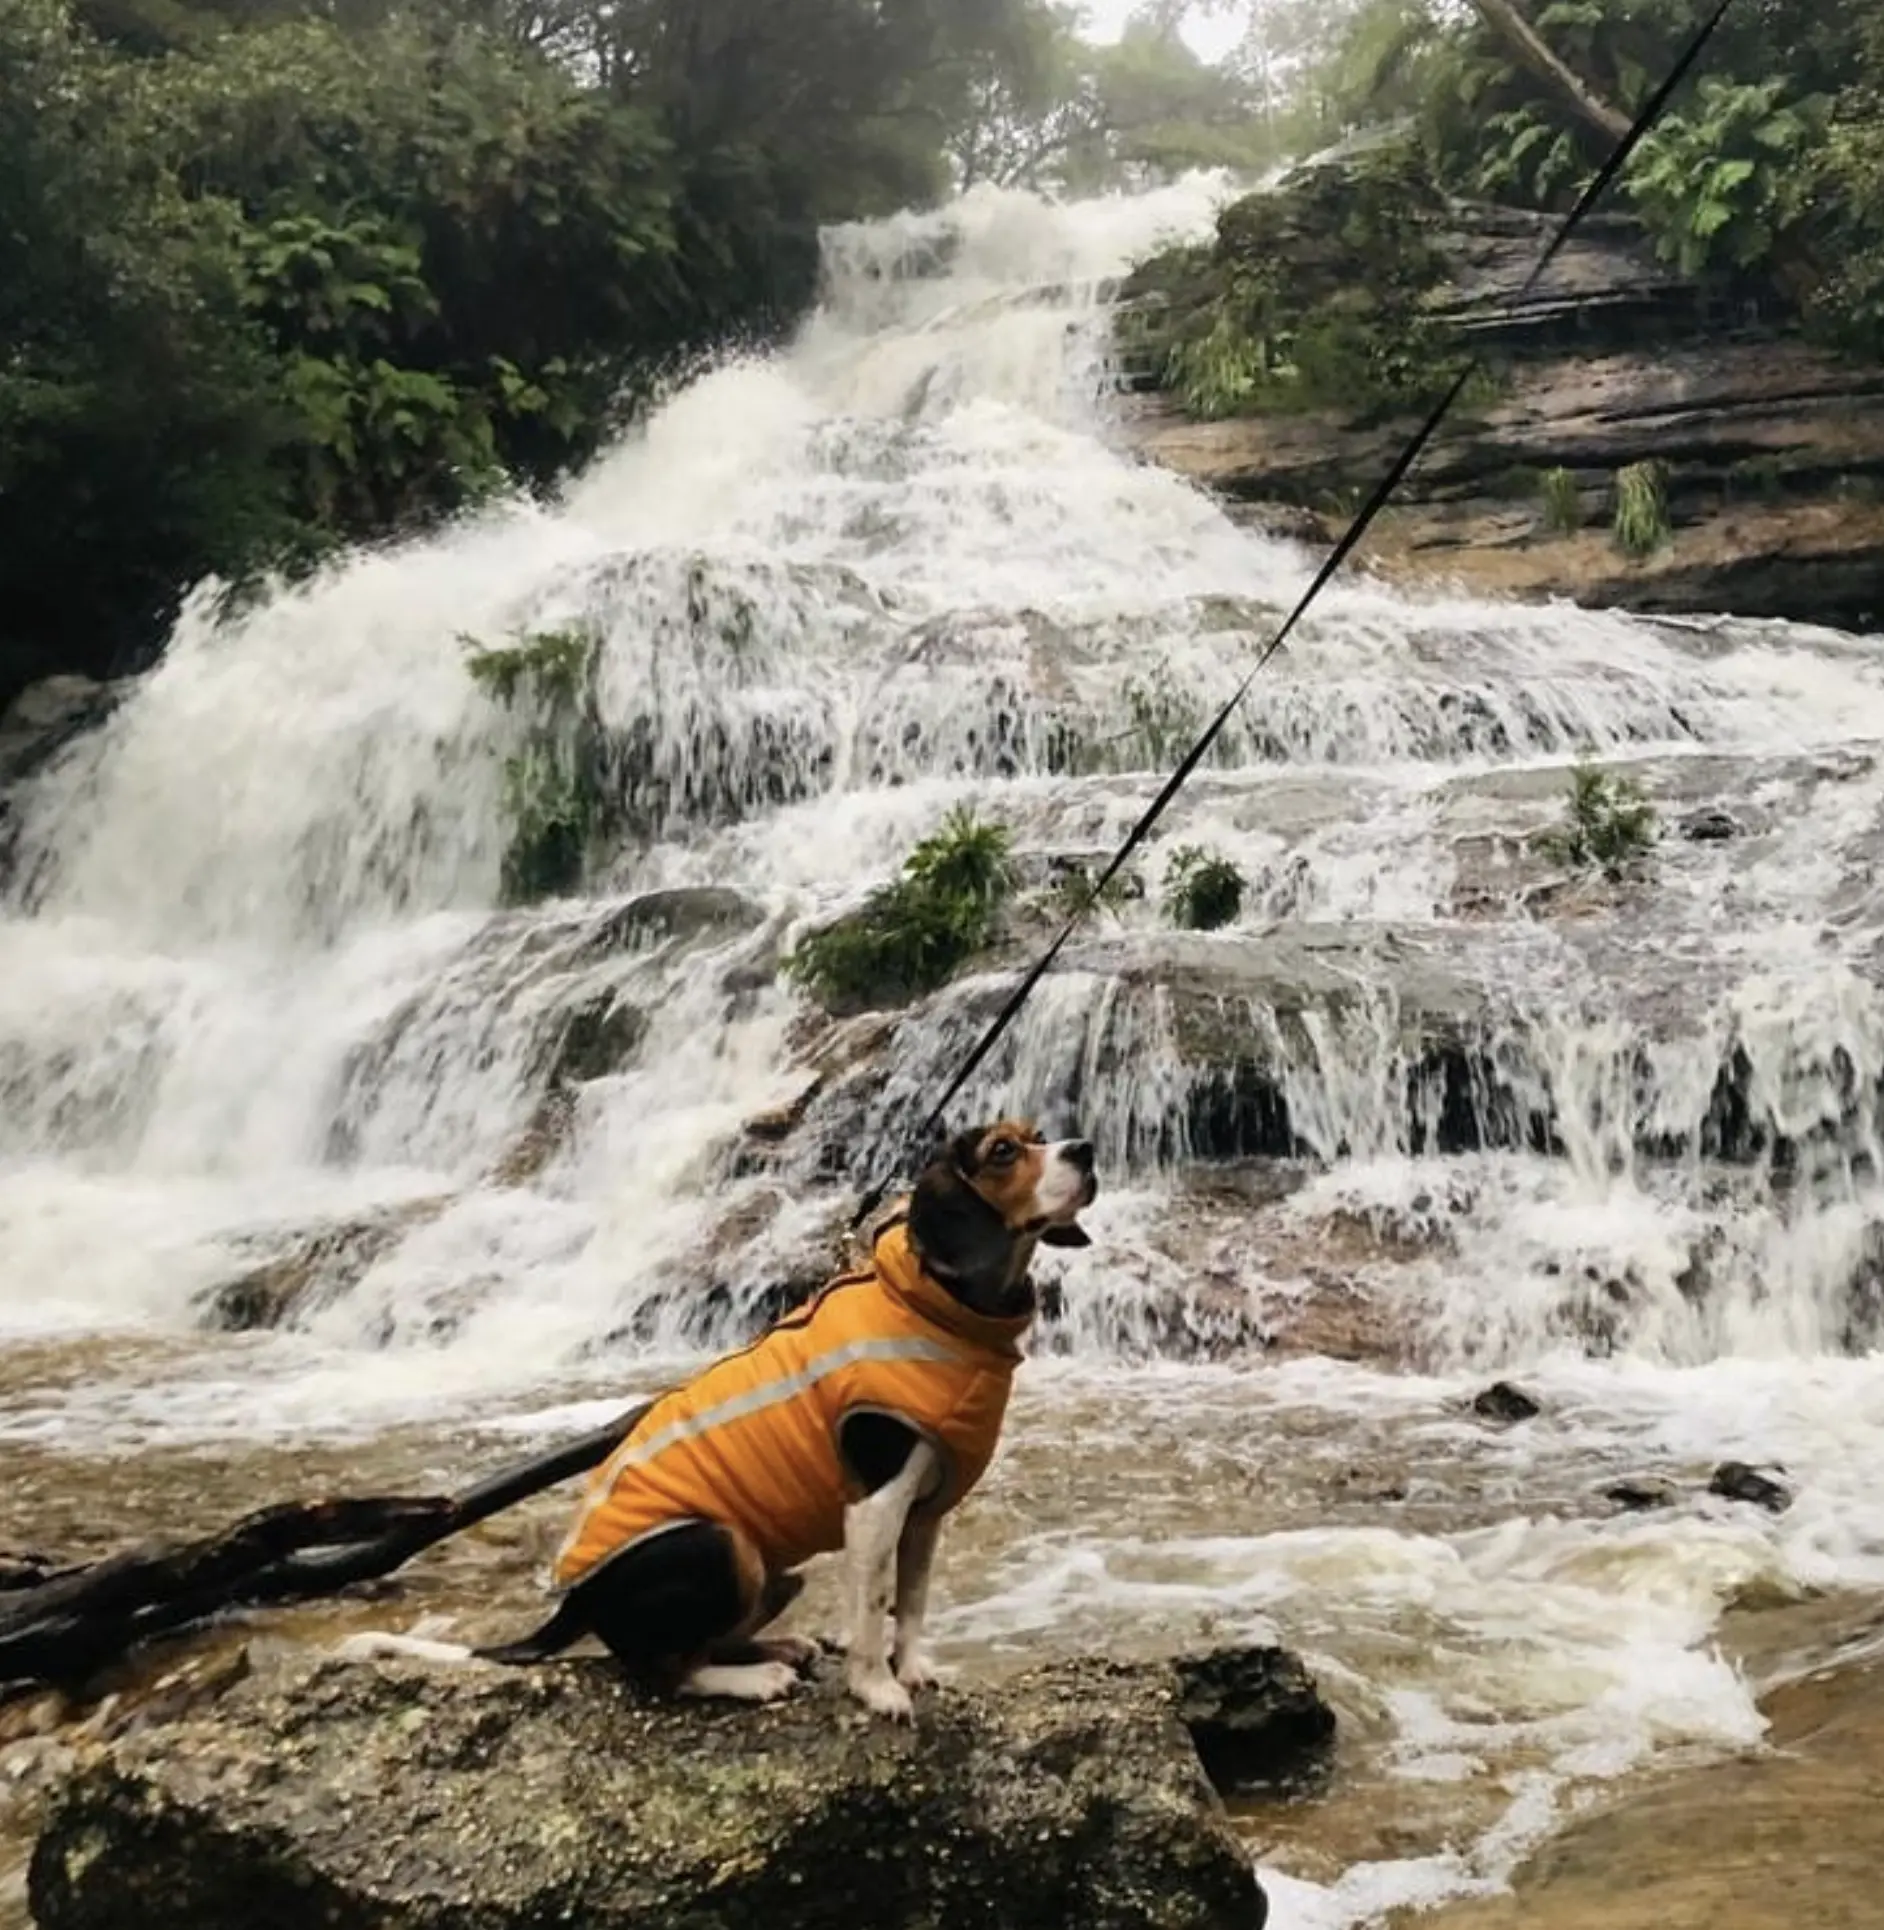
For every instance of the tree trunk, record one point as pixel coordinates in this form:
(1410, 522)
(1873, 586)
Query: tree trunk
(1505, 20)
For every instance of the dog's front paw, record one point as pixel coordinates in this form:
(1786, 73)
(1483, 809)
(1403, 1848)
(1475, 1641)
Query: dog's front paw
(914, 1671)
(882, 1694)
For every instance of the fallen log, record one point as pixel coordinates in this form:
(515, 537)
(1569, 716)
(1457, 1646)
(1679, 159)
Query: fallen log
(60, 1630)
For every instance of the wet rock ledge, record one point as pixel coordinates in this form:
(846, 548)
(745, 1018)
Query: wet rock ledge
(393, 1796)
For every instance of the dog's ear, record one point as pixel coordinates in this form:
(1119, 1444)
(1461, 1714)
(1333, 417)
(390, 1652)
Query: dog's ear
(950, 1222)
(1071, 1234)
(963, 1154)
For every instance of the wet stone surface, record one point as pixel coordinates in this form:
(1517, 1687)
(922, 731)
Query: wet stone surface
(394, 1794)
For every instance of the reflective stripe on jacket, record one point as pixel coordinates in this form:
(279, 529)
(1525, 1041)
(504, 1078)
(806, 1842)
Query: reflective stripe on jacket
(753, 1441)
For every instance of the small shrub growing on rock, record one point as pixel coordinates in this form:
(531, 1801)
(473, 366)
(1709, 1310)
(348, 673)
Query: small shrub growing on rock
(914, 933)
(1071, 890)
(1203, 890)
(1641, 523)
(554, 790)
(1563, 507)
(1608, 823)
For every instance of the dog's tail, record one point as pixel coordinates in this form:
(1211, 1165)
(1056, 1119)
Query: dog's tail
(562, 1628)
(567, 1625)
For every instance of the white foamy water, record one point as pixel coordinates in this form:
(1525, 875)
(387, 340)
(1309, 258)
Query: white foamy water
(255, 984)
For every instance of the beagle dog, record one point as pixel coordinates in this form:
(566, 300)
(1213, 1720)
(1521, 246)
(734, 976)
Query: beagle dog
(857, 1422)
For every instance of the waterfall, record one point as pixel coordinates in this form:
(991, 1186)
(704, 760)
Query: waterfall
(306, 1133)
(256, 951)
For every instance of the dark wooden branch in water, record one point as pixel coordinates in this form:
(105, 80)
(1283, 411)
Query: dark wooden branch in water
(61, 1628)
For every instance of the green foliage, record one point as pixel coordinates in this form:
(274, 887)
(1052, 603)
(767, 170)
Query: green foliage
(1720, 182)
(1203, 890)
(1049, 109)
(1563, 505)
(551, 667)
(1072, 890)
(280, 275)
(1847, 305)
(555, 784)
(139, 422)
(1766, 174)
(914, 933)
(1609, 824)
(1640, 518)
(1315, 295)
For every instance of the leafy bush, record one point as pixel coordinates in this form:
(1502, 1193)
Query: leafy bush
(1203, 890)
(1641, 523)
(1720, 182)
(555, 786)
(914, 933)
(1608, 825)
(1563, 506)
(139, 419)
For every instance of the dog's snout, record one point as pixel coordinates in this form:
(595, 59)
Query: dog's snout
(1079, 1153)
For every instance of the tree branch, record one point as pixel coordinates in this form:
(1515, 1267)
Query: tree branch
(1504, 19)
(59, 1626)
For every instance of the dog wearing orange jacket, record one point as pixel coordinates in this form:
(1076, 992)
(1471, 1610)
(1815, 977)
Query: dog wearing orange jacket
(857, 1422)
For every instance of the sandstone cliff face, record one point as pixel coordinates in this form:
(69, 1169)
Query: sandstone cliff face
(1774, 450)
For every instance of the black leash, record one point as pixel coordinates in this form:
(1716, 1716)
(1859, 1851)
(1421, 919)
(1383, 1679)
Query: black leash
(1358, 528)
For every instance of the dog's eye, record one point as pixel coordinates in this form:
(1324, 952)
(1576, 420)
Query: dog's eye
(1003, 1153)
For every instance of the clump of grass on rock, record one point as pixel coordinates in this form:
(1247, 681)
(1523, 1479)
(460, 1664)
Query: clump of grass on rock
(1563, 507)
(912, 935)
(1640, 523)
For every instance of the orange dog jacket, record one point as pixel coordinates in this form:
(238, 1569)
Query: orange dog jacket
(753, 1441)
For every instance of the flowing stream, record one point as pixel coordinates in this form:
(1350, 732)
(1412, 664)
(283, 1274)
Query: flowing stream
(1621, 1145)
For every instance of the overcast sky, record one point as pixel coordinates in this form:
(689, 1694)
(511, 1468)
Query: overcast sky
(1210, 37)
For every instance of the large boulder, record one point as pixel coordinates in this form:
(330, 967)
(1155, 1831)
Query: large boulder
(388, 1795)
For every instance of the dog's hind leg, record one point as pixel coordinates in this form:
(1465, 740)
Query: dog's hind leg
(873, 1531)
(678, 1608)
(739, 1651)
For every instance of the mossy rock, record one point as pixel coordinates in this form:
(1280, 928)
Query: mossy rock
(395, 1797)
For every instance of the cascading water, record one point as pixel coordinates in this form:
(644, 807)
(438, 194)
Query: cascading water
(257, 1001)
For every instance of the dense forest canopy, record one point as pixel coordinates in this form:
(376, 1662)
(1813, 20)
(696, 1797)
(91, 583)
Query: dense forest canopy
(279, 275)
